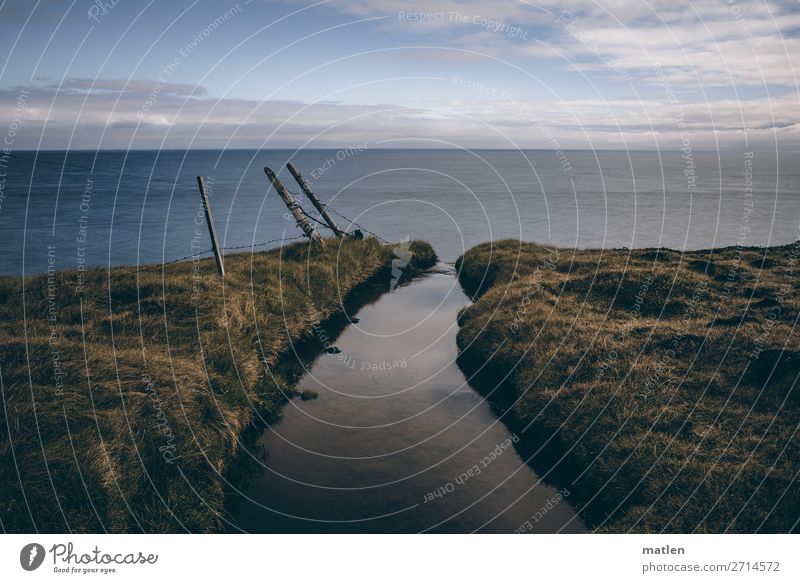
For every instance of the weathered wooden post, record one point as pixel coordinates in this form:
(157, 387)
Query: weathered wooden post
(314, 200)
(212, 230)
(294, 207)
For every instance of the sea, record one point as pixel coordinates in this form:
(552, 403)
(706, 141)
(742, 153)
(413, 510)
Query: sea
(87, 208)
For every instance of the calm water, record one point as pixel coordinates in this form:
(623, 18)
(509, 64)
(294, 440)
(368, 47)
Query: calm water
(396, 421)
(370, 454)
(140, 207)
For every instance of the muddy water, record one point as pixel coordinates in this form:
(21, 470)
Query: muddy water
(397, 441)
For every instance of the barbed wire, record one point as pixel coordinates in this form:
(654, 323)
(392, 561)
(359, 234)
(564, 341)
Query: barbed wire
(352, 222)
(253, 246)
(170, 262)
(340, 215)
(297, 195)
(320, 223)
(229, 248)
(193, 255)
(178, 260)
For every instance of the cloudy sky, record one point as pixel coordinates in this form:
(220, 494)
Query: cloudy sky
(403, 73)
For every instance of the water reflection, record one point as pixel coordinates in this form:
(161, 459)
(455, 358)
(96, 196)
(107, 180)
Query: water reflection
(397, 440)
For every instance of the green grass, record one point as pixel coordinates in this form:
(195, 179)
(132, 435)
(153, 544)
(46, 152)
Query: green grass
(667, 380)
(160, 373)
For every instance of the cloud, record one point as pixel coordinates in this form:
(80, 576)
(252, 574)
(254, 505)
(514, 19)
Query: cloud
(131, 86)
(118, 114)
(706, 42)
(717, 69)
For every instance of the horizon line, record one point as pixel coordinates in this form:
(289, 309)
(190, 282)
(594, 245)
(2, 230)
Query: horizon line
(334, 148)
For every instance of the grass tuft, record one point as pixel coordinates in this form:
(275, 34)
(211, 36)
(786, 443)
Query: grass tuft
(123, 407)
(668, 379)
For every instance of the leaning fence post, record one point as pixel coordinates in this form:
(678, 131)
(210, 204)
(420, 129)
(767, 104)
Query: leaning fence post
(212, 230)
(293, 206)
(314, 200)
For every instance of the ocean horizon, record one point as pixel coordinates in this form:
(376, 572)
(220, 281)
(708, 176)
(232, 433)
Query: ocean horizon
(137, 207)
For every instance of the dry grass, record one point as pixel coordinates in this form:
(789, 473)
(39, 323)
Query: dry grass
(668, 379)
(159, 373)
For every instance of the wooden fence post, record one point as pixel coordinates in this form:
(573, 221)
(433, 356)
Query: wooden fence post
(314, 200)
(294, 207)
(212, 230)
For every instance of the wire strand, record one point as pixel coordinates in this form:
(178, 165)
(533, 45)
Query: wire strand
(340, 215)
(352, 222)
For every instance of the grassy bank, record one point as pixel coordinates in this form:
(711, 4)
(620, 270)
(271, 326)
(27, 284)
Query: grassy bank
(124, 404)
(666, 380)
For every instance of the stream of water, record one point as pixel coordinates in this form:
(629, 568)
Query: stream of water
(397, 440)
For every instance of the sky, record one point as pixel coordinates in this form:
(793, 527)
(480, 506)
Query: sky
(641, 74)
